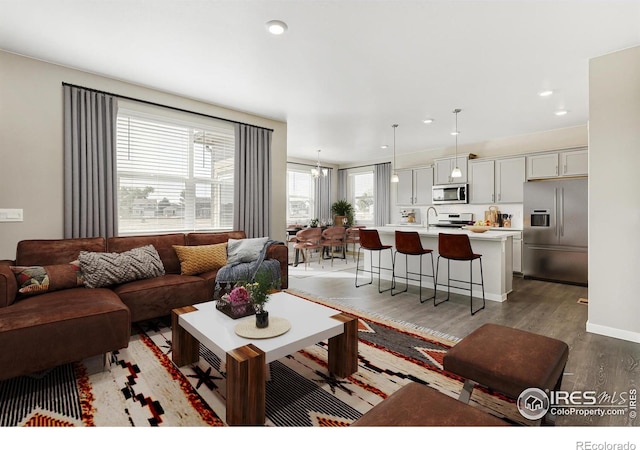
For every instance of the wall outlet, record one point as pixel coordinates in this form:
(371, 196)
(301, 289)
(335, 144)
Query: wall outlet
(11, 215)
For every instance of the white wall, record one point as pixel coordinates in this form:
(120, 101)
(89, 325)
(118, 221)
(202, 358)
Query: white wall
(31, 144)
(614, 186)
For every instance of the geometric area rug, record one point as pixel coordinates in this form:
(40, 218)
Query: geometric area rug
(141, 386)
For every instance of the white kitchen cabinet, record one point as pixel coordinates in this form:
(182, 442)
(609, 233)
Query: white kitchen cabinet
(496, 181)
(510, 178)
(482, 181)
(517, 254)
(569, 163)
(574, 163)
(542, 166)
(443, 168)
(414, 186)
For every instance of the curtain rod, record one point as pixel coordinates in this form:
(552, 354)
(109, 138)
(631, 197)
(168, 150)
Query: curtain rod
(309, 165)
(365, 165)
(124, 97)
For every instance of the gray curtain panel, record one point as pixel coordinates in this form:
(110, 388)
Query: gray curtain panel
(252, 186)
(342, 183)
(90, 177)
(382, 186)
(323, 197)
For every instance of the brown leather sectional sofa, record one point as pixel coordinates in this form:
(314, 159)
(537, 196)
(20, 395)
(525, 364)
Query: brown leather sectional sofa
(62, 326)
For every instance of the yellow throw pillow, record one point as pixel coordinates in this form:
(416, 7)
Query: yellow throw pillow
(195, 259)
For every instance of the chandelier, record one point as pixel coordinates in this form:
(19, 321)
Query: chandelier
(317, 170)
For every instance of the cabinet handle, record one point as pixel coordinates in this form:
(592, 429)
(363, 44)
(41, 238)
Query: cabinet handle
(499, 197)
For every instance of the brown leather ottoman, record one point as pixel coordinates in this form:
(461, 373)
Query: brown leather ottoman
(417, 405)
(508, 360)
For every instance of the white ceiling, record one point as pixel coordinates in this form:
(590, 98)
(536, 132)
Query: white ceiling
(346, 70)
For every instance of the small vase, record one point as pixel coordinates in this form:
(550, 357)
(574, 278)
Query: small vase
(262, 319)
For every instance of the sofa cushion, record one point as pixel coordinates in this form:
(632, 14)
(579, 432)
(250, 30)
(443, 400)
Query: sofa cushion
(156, 297)
(196, 259)
(46, 252)
(245, 250)
(106, 269)
(33, 280)
(59, 327)
(216, 237)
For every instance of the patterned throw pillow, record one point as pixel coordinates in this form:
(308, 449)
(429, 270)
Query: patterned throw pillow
(104, 269)
(195, 259)
(34, 280)
(245, 250)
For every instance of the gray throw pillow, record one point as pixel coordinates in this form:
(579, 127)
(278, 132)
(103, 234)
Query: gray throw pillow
(244, 250)
(104, 269)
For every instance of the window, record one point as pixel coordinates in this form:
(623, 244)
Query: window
(300, 195)
(361, 196)
(175, 173)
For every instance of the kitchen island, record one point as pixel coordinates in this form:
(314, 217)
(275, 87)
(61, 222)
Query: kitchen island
(496, 248)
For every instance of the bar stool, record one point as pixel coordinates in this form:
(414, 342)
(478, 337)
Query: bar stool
(370, 240)
(457, 247)
(408, 243)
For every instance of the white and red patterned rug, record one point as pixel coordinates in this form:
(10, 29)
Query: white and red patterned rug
(144, 388)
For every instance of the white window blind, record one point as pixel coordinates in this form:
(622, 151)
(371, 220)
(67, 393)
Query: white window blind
(300, 195)
(175, 172)
(361, 190)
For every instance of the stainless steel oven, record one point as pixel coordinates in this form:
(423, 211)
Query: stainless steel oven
(449, 193)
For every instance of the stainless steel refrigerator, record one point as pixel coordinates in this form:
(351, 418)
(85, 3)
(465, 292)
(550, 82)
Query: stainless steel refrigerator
(556, 231)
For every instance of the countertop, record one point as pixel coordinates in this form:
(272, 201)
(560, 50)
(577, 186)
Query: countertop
(494, 234)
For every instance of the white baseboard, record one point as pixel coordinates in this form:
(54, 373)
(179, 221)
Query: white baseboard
(617, 333)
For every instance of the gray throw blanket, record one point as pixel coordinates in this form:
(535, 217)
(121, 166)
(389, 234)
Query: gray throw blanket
(233, 273)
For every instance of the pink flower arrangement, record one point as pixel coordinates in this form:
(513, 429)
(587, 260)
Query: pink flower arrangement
(239, 296)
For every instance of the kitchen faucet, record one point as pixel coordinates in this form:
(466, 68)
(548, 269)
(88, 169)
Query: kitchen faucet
(429, 209)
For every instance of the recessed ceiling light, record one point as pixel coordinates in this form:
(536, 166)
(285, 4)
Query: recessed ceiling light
(276, 27)
(428, 121)
(384, 146)
(545, 93)
(454, 133)
(561, 112)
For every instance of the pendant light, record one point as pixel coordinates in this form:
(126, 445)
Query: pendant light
(394, 177)
(456, 172)
(316, 171)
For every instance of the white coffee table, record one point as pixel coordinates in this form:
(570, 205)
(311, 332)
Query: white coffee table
(246, 358)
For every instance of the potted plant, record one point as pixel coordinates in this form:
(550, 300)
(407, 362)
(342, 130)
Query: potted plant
(259, 291)
(342, 209)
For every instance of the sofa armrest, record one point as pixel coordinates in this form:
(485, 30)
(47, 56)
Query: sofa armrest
(281, 253)
(8, 285)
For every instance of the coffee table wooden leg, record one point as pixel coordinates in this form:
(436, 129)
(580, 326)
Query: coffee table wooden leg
(185, 348)
(246, 386)
(343, 349)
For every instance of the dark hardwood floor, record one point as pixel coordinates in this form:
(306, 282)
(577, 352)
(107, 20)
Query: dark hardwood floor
(596, 363)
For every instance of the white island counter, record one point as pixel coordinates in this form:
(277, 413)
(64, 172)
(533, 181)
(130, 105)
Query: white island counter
(496, 248)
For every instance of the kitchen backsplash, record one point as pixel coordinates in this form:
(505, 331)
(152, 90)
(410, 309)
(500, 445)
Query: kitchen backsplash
(515, 209)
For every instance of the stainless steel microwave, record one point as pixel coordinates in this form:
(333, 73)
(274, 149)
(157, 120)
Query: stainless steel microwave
(449, 193)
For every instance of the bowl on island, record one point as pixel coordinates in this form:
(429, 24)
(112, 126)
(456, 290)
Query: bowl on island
(477, 228)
